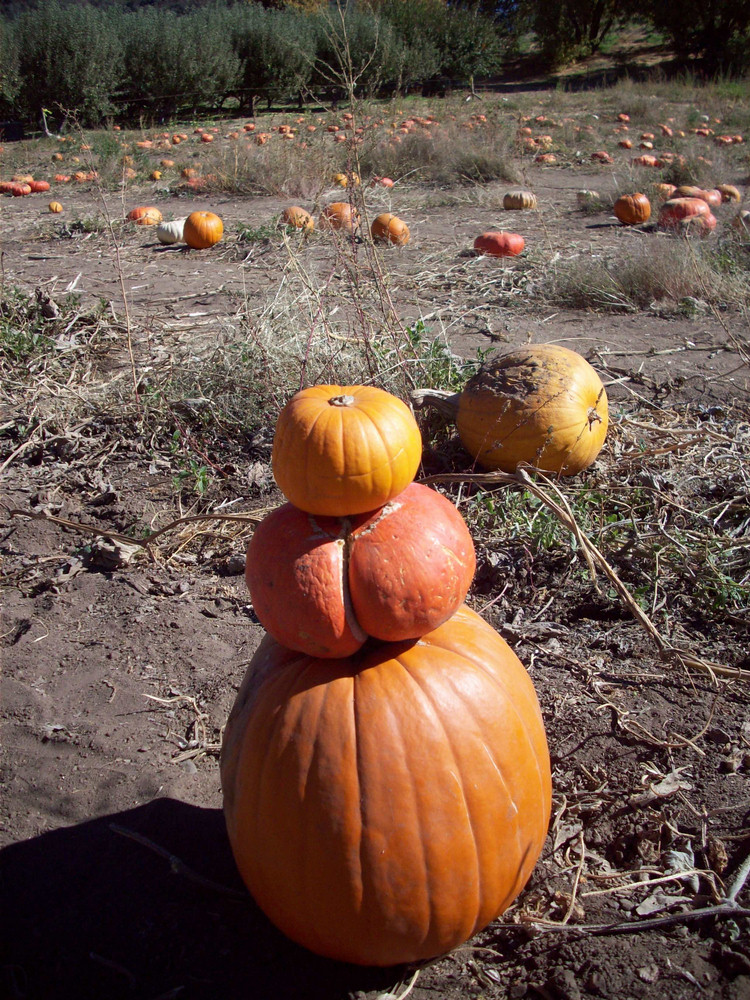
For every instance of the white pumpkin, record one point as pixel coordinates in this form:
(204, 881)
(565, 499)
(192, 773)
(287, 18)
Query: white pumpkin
(170, 232)
(586, 198)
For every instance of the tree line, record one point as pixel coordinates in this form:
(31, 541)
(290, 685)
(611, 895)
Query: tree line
(130, 60)
(111, 62)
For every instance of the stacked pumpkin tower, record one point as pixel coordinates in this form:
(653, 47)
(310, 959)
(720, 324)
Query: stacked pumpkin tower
(385, 769)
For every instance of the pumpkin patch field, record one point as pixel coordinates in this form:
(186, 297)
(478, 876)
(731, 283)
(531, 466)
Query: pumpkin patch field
(375, 552)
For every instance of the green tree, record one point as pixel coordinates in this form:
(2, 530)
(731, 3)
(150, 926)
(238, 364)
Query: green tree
(716, 33)
(68, 58)
(9, 75)
(177, 61)
(356, 49)
(417, 38)
(275, 49)
(570, 29)
(472, 44)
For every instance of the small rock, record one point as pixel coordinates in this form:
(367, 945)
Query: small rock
(648, 973)
(565, 984)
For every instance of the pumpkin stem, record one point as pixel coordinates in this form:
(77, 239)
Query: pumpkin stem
(593, 416)
(341, 401)
(443, 400)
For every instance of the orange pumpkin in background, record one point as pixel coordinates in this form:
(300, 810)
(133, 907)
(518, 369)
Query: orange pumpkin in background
(499, 244)
(339, 215)
(729, 192)
(202, 230)
(675, 210)
(388, 228)
(298, 218)
(632, 209)
(145, 215)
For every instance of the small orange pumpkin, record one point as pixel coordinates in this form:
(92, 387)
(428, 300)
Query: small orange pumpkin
(298, 218)
(632, 209)
(664, 192)
(145, 215)
(499, 244)
(339, 215)
(343, 450)
(55, 206)
(388, 228)
(202, 230)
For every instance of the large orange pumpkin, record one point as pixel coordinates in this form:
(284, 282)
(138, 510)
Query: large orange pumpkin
(499, 244)
(202, 230)
(385, 807)
(541, 404)
(322, 585)
(343, 450)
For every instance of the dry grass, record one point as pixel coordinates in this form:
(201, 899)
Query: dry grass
(643, 275)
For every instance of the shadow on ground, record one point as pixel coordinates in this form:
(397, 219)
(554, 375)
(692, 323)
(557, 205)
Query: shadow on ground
(93, 913)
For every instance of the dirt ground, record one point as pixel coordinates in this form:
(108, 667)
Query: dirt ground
(117, 877)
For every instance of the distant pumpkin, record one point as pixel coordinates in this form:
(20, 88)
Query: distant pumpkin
(499, 244)
(519, 200)
(388, 228)
(145, 215)
(632, 209)
(298, 218)
(339, 215)
(202, 230)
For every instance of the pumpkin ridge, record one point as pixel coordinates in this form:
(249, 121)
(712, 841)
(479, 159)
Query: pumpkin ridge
(247, 731)
(370, 827)
(309, 839)
(507, 697)
(389, 460)
(455, 771)
(510, 696)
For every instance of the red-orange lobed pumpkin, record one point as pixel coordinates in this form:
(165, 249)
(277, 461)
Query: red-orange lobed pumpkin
(674, 211)
(322, 585)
